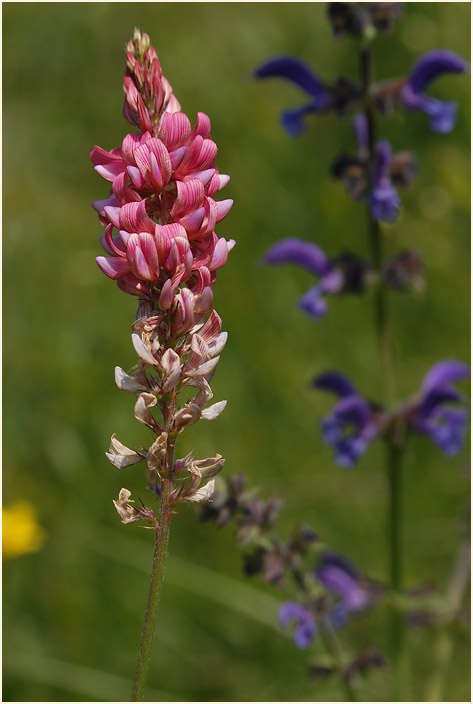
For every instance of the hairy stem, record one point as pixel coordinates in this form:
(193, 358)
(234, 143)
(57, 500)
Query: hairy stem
(157, 575)
(374, 234)
(394, 457)
(333, 645)
(443, 644)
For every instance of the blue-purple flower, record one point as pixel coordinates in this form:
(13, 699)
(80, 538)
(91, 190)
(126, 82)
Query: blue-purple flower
(344, 274)
(310, 257)
(323, 97)
(434, 415)
(384, 200)
(304, 620)
(353, 422)
(442, 114)
(341, 576)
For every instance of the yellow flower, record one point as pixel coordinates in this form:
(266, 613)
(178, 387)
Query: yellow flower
(21, 532)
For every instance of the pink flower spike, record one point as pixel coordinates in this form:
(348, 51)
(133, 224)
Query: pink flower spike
(223, 208)
(114, 268)
(230, 245)
(220, 255)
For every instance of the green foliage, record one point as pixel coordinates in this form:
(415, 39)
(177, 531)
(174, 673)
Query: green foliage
(73, 612)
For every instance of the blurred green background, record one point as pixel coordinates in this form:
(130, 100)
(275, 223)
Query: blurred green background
(73, 611)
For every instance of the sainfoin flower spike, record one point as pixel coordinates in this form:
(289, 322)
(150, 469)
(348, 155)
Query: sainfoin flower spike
(159, 224)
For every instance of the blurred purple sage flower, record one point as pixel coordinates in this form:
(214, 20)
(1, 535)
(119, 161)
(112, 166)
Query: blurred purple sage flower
(356, 18)
(353, 422)
(434, 63)
(306, 628)
(434, 415)
(384, 200)
(323, 97)
(354, 171)
(340, 576)
(346, 273)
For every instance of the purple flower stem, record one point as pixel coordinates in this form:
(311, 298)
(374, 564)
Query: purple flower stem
(394, 452)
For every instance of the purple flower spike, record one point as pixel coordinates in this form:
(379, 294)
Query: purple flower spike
(442, 114)
(384, 200)
(350, 427)
(306, 628)
(313, 259)
(434, 415)
(339, 575)
(297, 72)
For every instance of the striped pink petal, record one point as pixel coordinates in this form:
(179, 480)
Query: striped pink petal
(220, 255)
(177, 156)
(189, 196)
(114, 267)
(223, 208)
(202, 125)
(129, 145)
(133, 218)
(174, 129)
(101, 156)
(212, 327)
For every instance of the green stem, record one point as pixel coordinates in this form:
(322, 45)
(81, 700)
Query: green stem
(395, 516)
(157, 575)
(395, 451)
(333, 645)
(395, 539)
(443, 645)
(374, 233)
